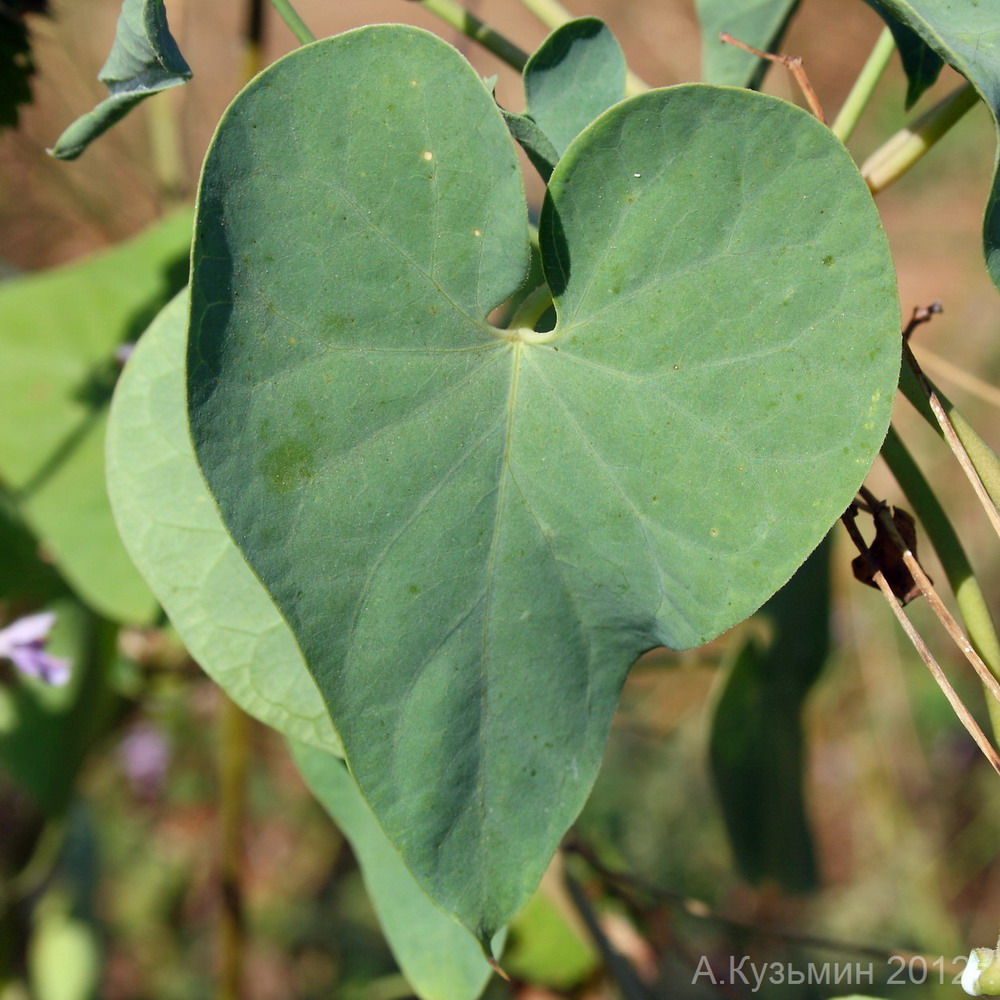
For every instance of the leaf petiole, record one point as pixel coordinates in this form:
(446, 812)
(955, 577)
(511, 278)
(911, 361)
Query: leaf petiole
(907, 147)
(455, 15)
(290, 16)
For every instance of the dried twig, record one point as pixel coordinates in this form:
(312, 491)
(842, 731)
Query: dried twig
(792, 63)
(951, 436)
(937, 673)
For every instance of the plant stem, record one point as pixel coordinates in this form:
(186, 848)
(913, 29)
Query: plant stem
(550, 12)
(232, 795)
(891, 160)
(864, 86)
(296, 25)
(532, 308)
(166, 148)
(455, 15)
(969, 596)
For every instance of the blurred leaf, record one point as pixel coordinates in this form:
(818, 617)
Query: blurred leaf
(59, 331)
(64, 949)
(64, 960)
(45, 732)
(440, 958)
(921, 63)
(760, 23)
(437, 506)
(545, 947)
(144, 60)
(24, 576)
(967, 36)
(756, 745)
(172, 529)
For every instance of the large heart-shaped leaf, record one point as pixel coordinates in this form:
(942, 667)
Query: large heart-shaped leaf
(173, 532)
(966, 35)
(439, 958)
(473, 532)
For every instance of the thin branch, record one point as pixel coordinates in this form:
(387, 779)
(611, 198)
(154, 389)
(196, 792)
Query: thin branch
(456, 16)
(792, 63)
(864, 87)
(622, 882)
(296, 25)
(966, 381)
(619, 968)
(926, 588)
(937, 673)
(950, 435)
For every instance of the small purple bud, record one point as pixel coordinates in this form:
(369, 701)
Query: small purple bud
(145, 756)
(123, 353)
(23, 641)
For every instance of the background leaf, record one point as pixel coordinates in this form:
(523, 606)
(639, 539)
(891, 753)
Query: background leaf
(967, 36)
(439, 958)
(760, 23)
(921, 63)
(144, 60)
(173, 532)
(756, 748)
(577, 73)
(472, 536)
(60, 331)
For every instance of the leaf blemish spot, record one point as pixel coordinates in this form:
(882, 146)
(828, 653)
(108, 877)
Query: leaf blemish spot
(427, 155)
(477, 232)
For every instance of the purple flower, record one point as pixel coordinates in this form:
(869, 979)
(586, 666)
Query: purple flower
(22, 643)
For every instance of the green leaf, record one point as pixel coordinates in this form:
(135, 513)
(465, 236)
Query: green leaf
(760, 23)
(46, 732)
(438, 957)
(24, 575)
(921, 63)
(577, 73)
(59, 331)
(174, 534)
(756, 749)
(536, 144)
(967, 36)
(473, 532)
(144, 60)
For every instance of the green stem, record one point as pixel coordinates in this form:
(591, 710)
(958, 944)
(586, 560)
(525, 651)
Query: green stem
(455, 15)
(166, 148)
(550, 12)
(295, 23)
(531, 309)
(864, 86)
(890, 161)
(232, 803)
(972, 606)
